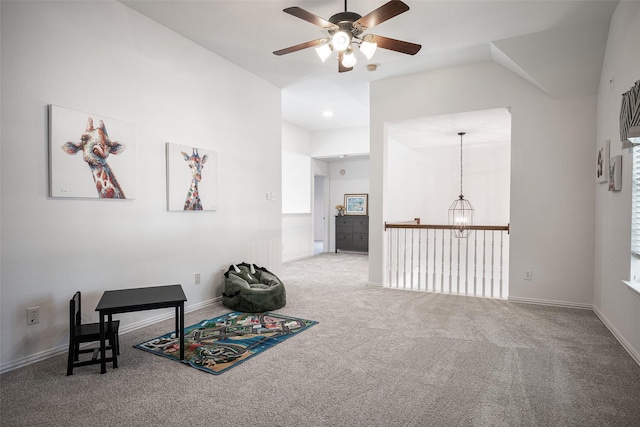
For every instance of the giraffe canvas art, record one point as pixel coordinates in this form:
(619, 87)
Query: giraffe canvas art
(196, 163)
(73, 132)
(192, 178)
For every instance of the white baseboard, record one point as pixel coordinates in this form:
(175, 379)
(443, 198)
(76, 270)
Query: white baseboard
(635, 355)
(37, 357)
(298, 258)
(632, 351)
(563, 304)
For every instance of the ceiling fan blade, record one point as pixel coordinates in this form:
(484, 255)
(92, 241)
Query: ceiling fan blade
(342, 68)
(309, 17)
(299, 47)
(381, 14)
(393, 44)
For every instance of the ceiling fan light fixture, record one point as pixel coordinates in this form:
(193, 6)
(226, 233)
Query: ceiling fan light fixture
(341, 41)
(324, 51)
(368, 49)
(344, 29)
(349, 59)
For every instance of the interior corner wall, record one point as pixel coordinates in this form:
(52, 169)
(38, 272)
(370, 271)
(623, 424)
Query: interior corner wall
(297, 228)
(616, 305)
(125, 66)
(552, 183)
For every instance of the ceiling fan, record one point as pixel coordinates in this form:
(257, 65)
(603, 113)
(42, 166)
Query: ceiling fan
(346, 29)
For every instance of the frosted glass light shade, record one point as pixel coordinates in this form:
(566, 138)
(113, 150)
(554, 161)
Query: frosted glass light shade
(349, 59)
(368, 49)
(324, 51)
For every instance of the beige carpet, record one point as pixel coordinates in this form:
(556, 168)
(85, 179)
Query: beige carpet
(377, 358)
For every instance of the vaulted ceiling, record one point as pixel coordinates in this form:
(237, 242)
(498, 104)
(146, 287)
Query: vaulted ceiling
(558, 45)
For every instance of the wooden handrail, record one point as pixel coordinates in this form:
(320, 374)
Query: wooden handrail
(413, 221)
(447, 227)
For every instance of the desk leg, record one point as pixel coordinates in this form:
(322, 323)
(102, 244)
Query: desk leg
(181, 308)
(177, 317)
(103, 346)
(114, 353)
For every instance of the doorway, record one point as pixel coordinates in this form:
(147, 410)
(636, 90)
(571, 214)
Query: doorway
(425, 165)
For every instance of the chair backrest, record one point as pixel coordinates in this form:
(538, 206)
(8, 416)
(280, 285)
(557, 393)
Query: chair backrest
(75, 310)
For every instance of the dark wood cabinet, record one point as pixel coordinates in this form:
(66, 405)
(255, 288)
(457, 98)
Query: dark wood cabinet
(352, 233)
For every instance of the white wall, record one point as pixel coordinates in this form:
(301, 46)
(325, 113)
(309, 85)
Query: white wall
(104, 58)
(348, 142)
(423, 183)
(615, 304)
(296, 139)
(296, 188)
(552, 154)
(297, 228)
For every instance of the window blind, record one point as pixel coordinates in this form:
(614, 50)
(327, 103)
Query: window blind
(635, 204)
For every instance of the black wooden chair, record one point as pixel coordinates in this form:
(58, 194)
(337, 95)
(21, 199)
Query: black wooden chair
(89, 332)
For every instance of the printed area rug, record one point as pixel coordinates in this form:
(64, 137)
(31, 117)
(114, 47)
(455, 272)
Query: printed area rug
(217, 345)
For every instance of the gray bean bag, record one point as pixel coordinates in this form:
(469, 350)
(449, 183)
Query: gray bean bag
(252, 289)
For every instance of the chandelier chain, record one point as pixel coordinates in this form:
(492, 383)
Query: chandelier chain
(461, 134)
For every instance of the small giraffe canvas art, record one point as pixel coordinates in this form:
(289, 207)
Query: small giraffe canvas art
(192, 178)
(91, 156)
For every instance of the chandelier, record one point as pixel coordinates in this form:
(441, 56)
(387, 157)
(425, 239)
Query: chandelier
(461, 213)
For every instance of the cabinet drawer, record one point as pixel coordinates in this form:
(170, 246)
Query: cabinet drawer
(343, 238)
(344, 225)
(361, 225)
(360, 242)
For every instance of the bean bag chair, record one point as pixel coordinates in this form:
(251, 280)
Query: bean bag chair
(252, 289)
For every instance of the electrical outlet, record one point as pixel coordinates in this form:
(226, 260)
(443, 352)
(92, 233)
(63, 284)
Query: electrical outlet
(33, 315)
(197, 278)
(528, 275)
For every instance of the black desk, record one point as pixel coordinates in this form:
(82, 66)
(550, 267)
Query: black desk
(138, 299)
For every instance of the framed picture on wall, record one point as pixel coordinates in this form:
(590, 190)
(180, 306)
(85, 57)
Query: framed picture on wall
(91, 156)
(615, 173)
(356, 204)
(602, 162)
(192, 178)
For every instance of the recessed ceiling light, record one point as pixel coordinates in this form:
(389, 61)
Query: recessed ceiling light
(327, 113)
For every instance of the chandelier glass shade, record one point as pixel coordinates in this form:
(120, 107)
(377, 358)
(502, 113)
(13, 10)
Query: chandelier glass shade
(461, 215)
(349, 59)
(368, 49)
(461, 212)
(324, 51)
